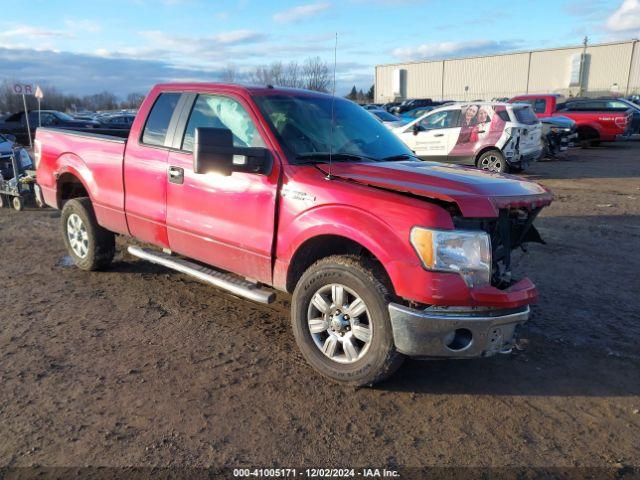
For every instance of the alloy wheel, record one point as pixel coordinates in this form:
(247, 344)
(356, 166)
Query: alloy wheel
(77, 235)
(339, 323)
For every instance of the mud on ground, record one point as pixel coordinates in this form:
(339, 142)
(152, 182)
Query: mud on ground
(139, 366)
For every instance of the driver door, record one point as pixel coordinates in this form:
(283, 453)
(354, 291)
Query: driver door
(433, 136)
(224, 221)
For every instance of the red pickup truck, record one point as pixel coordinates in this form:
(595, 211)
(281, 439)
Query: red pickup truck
(595, 122)
(255, 189)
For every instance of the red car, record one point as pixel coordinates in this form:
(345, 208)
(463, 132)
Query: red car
(255, 189)
(595, 122)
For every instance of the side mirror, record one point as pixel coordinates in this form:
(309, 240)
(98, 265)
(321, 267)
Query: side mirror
(214, 152)
(417, 129)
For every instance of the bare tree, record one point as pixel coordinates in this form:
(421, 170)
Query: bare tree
(293, 77)
(316, 74)
(229, 74)
(134, 100)
(261, 75)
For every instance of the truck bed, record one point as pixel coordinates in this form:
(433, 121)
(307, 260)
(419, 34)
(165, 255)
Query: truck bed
(96, 158)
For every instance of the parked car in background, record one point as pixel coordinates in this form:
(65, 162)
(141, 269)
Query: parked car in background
(388, 120)
(253, 187)
(597, 120)
(16, 124)
(558, 135)
(389, 105)
(413, 103)
(498, 137)
(635, 120)
(121, 121)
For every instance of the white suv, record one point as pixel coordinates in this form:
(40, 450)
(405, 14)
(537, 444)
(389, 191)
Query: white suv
(492, 136)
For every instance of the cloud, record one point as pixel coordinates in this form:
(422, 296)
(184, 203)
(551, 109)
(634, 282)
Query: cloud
(83, 24)
(20, 31)
(91, 73)
(626, 18)
(301, 12)
(454, 49)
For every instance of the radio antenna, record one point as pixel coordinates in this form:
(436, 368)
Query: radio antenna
(333, 101)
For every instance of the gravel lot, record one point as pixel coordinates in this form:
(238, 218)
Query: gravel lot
(139, 366)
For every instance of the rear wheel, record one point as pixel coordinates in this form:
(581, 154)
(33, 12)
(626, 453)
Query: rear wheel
(341, 321)
(90, 246)
(492, 161)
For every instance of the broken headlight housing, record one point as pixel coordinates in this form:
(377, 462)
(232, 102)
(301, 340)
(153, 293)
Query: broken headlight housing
(465, 252)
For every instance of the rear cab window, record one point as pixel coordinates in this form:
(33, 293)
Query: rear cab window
(539, 105)
(157, 125)
(525, 115)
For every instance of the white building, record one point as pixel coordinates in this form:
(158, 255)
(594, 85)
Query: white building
(602, 69)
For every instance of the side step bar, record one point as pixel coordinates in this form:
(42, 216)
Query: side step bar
(226, 281)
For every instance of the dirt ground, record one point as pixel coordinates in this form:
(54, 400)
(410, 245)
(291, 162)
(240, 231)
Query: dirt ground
(139, 366)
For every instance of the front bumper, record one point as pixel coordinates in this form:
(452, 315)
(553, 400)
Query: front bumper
(623, 137)
(455, 332)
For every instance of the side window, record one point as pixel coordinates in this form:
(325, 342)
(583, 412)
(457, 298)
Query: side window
(155, 130)
(617, 106)
(540, 105)
(216, 111)
(446, 119)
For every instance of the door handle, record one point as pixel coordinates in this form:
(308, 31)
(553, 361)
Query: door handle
(439, 135)
(176, 175)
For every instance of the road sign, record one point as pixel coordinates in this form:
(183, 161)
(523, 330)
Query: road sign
(22, 89)
(39, 94)
(25, 89)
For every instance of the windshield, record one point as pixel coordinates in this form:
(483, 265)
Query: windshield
(303, 125)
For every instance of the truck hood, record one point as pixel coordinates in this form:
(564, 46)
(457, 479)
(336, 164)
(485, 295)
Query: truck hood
(559, 121)
(477, 193)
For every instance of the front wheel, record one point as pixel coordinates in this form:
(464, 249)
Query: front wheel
(341, 321)
(17, 203)
(90, 246)
(493, 161)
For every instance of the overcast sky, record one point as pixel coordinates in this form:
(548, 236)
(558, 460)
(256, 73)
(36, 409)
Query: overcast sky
(126, 46)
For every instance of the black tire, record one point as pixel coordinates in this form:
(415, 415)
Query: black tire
(380, 359)
(17, 203)
(588, 138)
(100, 243)
(500, 164)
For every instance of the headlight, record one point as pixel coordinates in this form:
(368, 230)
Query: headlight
(461, 251)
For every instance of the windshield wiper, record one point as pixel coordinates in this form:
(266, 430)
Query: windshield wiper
(402, 156)
(313, 157)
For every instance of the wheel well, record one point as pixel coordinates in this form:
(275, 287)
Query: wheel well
(588, 133)
(69, 186)
(485, 150)
(323, 246)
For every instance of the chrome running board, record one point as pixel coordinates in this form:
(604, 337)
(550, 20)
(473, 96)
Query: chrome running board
(226, 281)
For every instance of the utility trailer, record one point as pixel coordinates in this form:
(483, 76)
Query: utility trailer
(17, 181)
